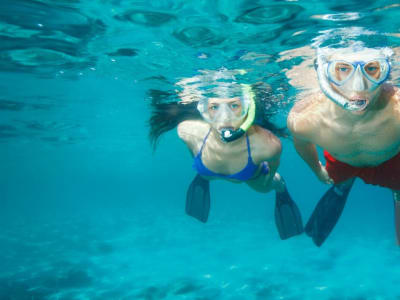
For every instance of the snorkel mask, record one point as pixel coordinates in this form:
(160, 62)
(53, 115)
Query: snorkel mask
(349, 71)
(224, 114)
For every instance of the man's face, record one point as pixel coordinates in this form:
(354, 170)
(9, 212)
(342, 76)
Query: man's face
(357, 76)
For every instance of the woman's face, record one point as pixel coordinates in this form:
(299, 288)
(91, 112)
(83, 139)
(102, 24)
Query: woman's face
(225, 112)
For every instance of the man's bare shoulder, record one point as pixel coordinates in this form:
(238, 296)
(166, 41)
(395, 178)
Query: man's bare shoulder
(307, 105)
(395, 97)
(190, 129)
(304, 114)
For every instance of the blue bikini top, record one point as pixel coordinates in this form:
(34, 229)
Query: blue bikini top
(245, 174)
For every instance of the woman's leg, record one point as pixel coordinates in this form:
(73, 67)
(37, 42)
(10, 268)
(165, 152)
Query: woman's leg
(287, 215)
(264, 183)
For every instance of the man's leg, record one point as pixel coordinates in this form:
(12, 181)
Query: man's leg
(396, 198)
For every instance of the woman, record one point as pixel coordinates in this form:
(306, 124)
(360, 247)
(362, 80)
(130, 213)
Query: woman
(218, 129)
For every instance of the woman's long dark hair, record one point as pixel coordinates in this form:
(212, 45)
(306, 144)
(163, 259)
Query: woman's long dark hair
(166, 116)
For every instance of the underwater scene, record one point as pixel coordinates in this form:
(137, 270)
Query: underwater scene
(95, 189)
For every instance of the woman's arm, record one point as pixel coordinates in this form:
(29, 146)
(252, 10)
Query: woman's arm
(271, 148)
(191, 133)
(266, 148)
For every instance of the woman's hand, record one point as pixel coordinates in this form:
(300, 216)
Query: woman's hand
(323, 175)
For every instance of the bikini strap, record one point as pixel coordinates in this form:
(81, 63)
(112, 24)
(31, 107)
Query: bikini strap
(247, 142)
(204, 141)
(248, 147)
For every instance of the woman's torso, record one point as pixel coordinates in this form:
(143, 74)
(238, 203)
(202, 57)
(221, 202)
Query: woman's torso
(236, 161)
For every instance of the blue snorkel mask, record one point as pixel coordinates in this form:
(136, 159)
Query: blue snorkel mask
(348, 70)
(376, 71)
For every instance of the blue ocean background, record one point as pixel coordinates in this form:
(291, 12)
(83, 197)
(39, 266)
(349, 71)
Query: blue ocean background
(89, 211)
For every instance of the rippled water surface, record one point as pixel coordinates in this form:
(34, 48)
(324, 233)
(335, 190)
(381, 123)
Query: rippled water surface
(88, 211)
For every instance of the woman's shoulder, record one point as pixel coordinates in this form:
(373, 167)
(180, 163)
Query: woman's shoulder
(263, 134)
(191, 129)
(264, 140)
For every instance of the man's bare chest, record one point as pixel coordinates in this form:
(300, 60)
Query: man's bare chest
(379, 136)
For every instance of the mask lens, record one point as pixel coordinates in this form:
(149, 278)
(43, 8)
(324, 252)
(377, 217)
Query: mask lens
(225, 111)
(376, 71)
(213, 109)
(340, 71)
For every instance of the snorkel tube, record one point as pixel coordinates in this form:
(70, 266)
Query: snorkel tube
(229, 135)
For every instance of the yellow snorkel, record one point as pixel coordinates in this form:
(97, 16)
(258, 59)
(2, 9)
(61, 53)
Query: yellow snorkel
(229, 135)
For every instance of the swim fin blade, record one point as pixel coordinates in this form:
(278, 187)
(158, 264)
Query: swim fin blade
(198, 199)
(327, 212)
(287, 216)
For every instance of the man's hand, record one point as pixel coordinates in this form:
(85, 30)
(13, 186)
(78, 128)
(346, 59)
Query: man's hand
(323, 175)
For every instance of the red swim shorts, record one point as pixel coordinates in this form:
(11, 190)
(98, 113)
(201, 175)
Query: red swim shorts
(386, 174)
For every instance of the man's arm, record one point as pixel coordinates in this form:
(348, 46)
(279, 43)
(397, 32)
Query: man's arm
(302, 131)
(309, 154)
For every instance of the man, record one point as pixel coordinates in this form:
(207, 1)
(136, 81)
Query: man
(356, 120)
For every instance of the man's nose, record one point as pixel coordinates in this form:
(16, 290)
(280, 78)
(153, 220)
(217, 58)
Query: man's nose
(359, 83)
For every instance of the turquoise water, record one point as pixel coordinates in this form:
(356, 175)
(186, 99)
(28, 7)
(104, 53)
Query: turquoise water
(89, 211)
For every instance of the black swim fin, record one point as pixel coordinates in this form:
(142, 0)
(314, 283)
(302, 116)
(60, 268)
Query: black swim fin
(287, 216)
(327, 212)
(198, 199)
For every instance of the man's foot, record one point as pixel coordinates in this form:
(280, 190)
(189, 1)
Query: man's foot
(327, 212)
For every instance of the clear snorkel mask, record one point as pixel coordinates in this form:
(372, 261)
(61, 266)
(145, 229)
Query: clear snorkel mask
(230, 116)
(352, 70)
